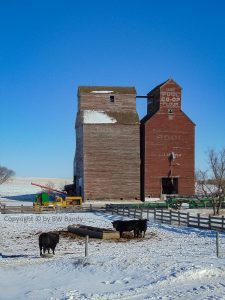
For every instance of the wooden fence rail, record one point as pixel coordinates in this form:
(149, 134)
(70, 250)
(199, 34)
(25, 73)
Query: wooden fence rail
(170, 217)
(25, 209)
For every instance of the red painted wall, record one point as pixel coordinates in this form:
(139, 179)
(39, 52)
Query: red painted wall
(167, 130)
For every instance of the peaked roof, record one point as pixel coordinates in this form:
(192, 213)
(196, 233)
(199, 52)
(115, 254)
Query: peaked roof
(162, 84)
(149, 116)
(107, 89)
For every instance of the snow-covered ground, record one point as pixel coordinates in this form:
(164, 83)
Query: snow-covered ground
(170, 263)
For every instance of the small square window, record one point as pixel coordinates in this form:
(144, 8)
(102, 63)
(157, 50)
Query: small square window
(111, 98)
(170, 111)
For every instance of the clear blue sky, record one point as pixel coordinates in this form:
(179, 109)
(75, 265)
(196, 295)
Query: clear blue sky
(49, 48)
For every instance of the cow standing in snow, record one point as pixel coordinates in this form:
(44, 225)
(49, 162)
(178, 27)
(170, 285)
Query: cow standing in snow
(142, 226)
(47, 241)
(138, 226)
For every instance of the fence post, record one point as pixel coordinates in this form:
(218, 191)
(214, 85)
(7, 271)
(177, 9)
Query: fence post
(161, 215)
(198, 219)
(222, 223)
(148, 213)
(141, 212)
(188, 217)
(86, 245)
(178, 215)
(112, 210)
(217, 244)
(209, 222)
(154, 214)
(123, 210)
(90, 207)
(170, 217)
(128, 211)
(21, 208)
(117, 209)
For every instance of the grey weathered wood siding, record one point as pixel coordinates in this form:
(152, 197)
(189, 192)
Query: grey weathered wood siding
(108, 154)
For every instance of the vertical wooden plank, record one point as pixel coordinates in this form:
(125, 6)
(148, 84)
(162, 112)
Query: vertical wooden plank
(154, 214)
(128, 211)
(209, 222)
(161, 215)
(148, 213)
(21, 208)
(222, 225)
(188, 218)
(198, 219)
(86, 245)
(134, 212)
(123, 210)
(178, 216)
(217, 244)
(170, 220)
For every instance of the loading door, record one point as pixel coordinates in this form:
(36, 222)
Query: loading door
(169, 185)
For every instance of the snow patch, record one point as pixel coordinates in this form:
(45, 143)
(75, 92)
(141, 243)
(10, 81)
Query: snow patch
(101, 92)
(97, 117)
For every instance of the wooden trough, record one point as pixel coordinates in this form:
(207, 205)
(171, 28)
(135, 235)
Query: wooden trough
(94, 232)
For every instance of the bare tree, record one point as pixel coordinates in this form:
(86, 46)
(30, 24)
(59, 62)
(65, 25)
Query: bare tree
(5, 174)
(211, 183)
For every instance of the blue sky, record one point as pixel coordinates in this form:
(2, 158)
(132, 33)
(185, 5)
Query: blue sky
(49, 48)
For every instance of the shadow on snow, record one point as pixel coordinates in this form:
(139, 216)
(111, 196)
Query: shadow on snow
(24, 198)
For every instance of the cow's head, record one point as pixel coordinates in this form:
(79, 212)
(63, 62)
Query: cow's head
(114, 224)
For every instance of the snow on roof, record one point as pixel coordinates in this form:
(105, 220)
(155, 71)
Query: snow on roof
(101, 92)
(109, 89)
(97, 117)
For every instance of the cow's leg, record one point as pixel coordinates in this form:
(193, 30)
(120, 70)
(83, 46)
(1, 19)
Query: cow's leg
(40, 251)
(139, 234)
(53, 250)
(44, 249)
(136, 232)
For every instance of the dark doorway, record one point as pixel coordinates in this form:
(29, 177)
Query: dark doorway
(169, 185)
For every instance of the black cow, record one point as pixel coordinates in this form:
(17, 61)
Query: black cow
(48, 240)
(142, 226)
(138, 226)
(122, 226)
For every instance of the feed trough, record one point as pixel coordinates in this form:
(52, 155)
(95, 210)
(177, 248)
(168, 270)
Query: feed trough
(94, 232)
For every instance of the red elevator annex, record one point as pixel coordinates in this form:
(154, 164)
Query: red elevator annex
(167, 144)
